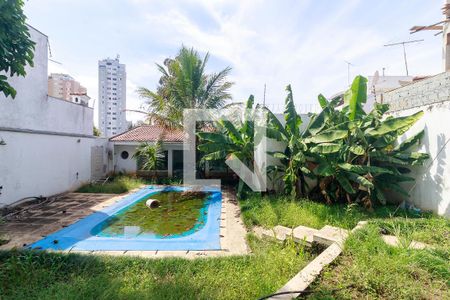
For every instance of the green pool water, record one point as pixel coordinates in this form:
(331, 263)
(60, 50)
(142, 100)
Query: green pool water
(179, 212)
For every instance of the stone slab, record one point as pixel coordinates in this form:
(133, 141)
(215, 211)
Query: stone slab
(330, 234)
(304, 235)
(309, 273)
(392, 240)
(278, 232)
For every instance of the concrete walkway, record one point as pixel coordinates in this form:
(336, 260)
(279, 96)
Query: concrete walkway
(35, 222)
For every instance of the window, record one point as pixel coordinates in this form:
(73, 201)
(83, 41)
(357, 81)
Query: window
(124, 154)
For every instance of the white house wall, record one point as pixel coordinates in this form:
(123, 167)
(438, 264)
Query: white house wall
(432, 191)
(129, 165)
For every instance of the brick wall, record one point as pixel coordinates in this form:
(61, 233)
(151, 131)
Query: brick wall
(428, 91)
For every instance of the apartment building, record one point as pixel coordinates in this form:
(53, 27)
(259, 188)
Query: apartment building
(64, 86)
(111, 97)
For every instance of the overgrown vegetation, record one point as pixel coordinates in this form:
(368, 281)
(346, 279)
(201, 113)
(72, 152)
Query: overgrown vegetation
(16, 46)
(40, 275)
(275, 210)
(371, 269)
(232, 141)
(353, 156)
(368, 267)
(118, 185)
(150, 156)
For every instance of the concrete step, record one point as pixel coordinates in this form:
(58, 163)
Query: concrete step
(304, 235)
(330, 234)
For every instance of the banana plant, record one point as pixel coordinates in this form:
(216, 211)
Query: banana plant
(231, 140)
(355, 153)
(292, 168)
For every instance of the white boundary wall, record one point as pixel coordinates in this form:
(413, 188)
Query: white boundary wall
(43, 165)
(48, 141)
(432, 96)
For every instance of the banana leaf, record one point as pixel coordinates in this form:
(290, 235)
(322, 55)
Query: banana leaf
(231, 130)
(356, 96)
(293, 121)
(322, 101)
(326, 148)
(357, 150)
(327, 137)
(408, 143)
(360, 180)
(394, 124)
(345, 183)
(361, 169)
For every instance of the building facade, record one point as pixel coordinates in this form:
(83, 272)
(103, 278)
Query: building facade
(48, 144)
(63, 86)
(111, 97)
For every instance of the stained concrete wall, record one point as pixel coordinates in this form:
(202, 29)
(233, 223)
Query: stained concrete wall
(428, 91)
(432, 95)
(40, 164)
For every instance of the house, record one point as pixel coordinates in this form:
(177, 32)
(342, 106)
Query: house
(125, 145)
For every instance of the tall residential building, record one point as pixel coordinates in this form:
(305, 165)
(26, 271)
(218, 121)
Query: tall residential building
(63, 86)
(112, 101)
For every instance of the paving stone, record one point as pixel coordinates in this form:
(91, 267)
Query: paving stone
(137, 253)
(160, 254)
(330, 234)
(304, 235)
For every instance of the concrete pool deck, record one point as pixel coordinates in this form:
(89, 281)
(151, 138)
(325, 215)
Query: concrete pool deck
(35, 222)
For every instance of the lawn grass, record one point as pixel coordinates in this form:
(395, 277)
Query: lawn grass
(118, 185)
(270, 211)
(370, 269)
(40, 275)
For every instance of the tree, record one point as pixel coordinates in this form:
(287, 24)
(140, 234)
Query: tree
(16, 47)
(184, 84)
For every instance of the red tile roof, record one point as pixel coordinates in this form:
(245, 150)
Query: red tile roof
(149, 133)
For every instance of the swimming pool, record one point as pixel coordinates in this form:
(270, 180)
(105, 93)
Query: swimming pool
(186, 224)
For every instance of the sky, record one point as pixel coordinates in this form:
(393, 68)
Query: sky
(305, 43)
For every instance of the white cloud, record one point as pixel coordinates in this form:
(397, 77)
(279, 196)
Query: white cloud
(303, 43)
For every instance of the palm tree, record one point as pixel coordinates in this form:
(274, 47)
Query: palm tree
(184, 84)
